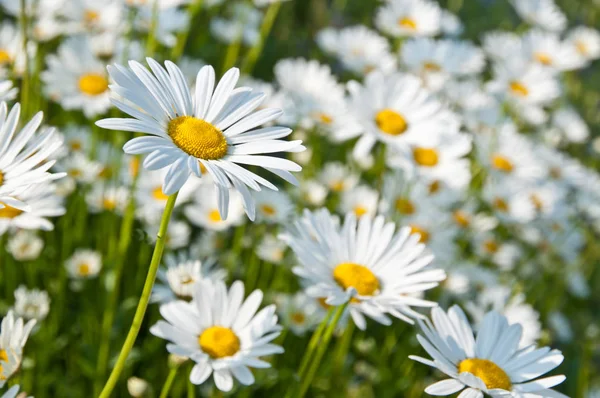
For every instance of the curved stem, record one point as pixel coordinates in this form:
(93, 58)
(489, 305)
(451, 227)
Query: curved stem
(193, 11)
(265, 30)
(144, 299)
(164, 393)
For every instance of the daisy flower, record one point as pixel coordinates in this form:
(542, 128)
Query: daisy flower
(84, 264)
(25, 157)
(338, 177)
(107, 198)
(571, 125)
(542, 13)
(271, 249)
(25, 245)
(79, 167)
(31, 304)
(299, 312)
(400, 18)
(215, 129)
(393, 109)
(362, 201)
(243, 26)
(492, 364)
(366, 262)
(93, 16)
(360, 49)
(13, 336)
(7, 91)
(273, 207)
(509, 200)
(586, 41)
(221, 332)
(170, 21)
(76, 78)
(12, 57)
(204, 210)
(177, 280)
(548, 50)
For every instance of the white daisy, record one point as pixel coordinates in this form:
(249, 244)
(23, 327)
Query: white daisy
(509, 200)
(501, 45)
(170, 21)
(177, 237)
(7, 91)
(93, 15)
(80, 168)
(338, 177)
(31, 304)
(492, 363)
(204, 210)
(299, 312)
(213, 129)
(84, 264)
(25, 245)
(271, 249)
(409, 18)
(451, 24)
(586, 41)
(243, 25)
(176, 281)
(221, 332)
(12, 57)
(13, 336)
(107, 198)
(548, 50)
(362, 201)
(379, 270)
(273, 207)
(571, 125)
(359, 49)
(76, 78)
(542, 13)
(25, 156)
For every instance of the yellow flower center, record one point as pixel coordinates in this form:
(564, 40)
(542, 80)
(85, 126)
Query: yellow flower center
(581, 47)
(84, 269)
(268, 209)
(197, 138)
(158, 194)
(3, 356)
(219, 342)
(490, 246)
(186, 280)
(360, 211)
(337, 186)
(109, 204)
(76, 145)
(502, 163)
(4, 57)
(93, 84)
(357, 276)
(461, 218)
(298, 318)
(1, 178)
(90, 16)
(405, 206)
(75, 173)
(432, 67)
(324, 118)
(407, 23)
(391, 122)
(214, 216)
(500, 205)
(415, 229)
(537, 202)
(427, 157)
(434, 187)
(519, 89)
(491, 374)
(9, 212)
(543, 58)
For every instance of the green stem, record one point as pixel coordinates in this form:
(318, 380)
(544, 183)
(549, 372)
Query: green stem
(314, 366)
(144, 299)
(191, 388)
(314, 341)
(265, 30)
(151, 43)
(232, 54)
(25, 77)
(164, 393)
(193, 11)
(113, 297)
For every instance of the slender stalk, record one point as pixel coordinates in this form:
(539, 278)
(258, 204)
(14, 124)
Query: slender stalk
(25, 76)
(314, 341)
(164, 393)
(113, 297)
(314, 366)
(151, 43)
(265, 30)
(193, 11)
(231, 56)
(144, 299)
(191, 388)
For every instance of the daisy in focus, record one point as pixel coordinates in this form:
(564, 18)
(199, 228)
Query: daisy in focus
(221, 332)
(366, 262)
(215, 129)
(493, 363)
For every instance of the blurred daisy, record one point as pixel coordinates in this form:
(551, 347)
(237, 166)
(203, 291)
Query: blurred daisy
(177, 237)
(78, 139)
(362, 201)
(500, 45)
(76, 78)
(177, 280)
(313, 192)
(571, 125)
(31, 304)
(25, 245)
(492, 364)
(93, 16)
(451, 24)
(12, 57)
(84, 264)
(271, 249)
(548, 50)
(273, 207)
(586, 41)
(107, 198)
(409, 18)
(242, 26)
(43, 202)
(542, 13)
(221, 332)
(379, 271)
(360, 49)
(509, 201)
(25, 158)
(13, 336)
(204, 210)
(80, 167)
(214, 130)
(137, 387)
(338, 177)
(299, 312)
(7, 91)
(170, 21)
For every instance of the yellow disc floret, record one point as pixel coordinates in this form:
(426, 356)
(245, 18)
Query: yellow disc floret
(197, 138)
(391, 122)
(9, 212)
(93, 84)
(219, 342)
(407, 23)
(491, 374)
(502, 163)
(427, 157)
(519, 89)
(357, 276)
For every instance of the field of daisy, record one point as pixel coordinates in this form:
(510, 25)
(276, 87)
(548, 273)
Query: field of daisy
(299, 198)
